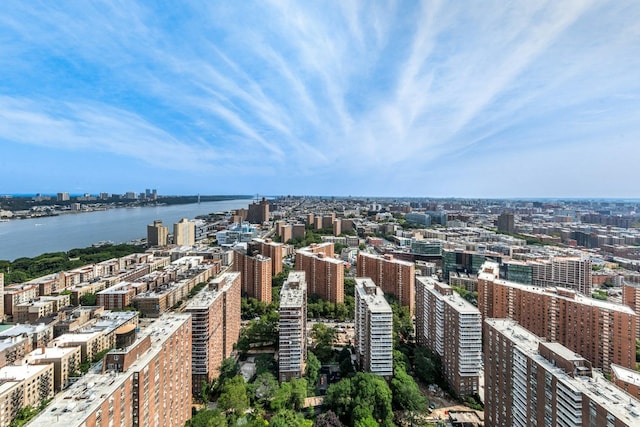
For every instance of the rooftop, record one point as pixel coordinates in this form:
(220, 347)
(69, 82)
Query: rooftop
(617, 402)
(72, 407)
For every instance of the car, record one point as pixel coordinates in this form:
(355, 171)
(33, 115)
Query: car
(432, 406)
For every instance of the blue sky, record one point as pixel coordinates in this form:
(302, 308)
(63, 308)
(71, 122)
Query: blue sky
(463, 99)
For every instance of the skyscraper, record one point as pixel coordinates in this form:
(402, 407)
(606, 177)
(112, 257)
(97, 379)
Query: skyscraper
(157, 234)
(451, 327)
(270, 249)
(373, 329)
(292, 348)
(394, 276)
(258, 212)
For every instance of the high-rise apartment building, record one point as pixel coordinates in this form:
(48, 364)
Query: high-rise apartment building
(184, 232)
(506, 223)
(270, 249)
(631, 298)
(568, 272)
(258, 212)
(529, 382)
(292, 348)
(394, 276)
(602, 332)
(63, 197)
(215, 314)
(324, 273)
(373, 329)
(146, 383)
(157, 234)
(451, 327)
(255, 274)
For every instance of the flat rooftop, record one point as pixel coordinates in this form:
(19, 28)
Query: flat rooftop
(617, 402)
(72, 407)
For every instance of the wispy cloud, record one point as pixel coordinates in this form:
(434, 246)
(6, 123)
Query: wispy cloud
(297, 93)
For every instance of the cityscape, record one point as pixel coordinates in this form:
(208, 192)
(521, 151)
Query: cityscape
(319, 214)
(330, 311)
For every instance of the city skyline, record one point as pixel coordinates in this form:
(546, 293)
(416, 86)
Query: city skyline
(424, 99)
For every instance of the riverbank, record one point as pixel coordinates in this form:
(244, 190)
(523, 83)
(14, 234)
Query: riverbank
(34, 236)
(46, 206)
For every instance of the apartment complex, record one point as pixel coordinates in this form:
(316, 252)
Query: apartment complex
(255, 275)
(215, 313)
(157, 234)
(269, 249)
(324, 273)
(394, 276)
(22, 386)
(602, 332)
(529, 382)
(146, 384)
(184, 232)
(292, 349)
(451, 327)
(373, 329)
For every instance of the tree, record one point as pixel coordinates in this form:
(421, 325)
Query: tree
(298, 392)
(328, 419)
(233, 398)
(406, 394)
(323, 337)
(88, 299)
(228, 369)
(208, 418)
(427, 366)
(264, 388)
(289, 418)
(312, 371)
(365, 394)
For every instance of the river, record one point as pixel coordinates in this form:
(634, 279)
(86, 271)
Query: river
(32, 237)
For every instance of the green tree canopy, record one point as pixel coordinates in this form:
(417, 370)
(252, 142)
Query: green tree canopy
(234, 398)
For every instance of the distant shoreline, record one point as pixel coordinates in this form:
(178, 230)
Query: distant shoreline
(27, 207)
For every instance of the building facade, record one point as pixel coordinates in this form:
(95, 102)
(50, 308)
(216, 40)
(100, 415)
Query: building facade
(324, 274)
(529, 382)
(292, 349)
(184, 232)
(157, 234)
(602, 332)
(394, 276)
(373, 329)
(451, 327)
(255, 275)
(215, 314)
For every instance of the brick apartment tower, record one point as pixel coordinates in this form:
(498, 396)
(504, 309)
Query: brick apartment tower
(600, 331)
(373, 329)
(255, 275)
(292, 348)
(631, 298)
(258, 212)
(568, 272)
(451, 327)
(529, 382)
(215, 314)
(270, 249)
(392, 275)
(146, 383)
(324, 273)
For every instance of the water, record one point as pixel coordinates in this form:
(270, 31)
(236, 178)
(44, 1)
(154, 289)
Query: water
(32, 237)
